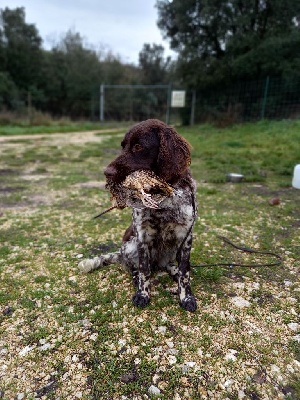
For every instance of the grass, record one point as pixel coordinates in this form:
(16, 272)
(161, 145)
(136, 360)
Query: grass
(260, 151)
(69, 335)
(56, 127)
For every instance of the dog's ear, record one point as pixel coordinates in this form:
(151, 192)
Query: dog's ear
(174, 155)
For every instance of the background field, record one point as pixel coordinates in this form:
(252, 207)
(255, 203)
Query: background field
(67, 335)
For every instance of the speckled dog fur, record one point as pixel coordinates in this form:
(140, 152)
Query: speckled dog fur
(158, 238)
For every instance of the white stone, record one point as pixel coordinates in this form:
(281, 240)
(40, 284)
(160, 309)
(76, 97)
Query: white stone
(164, 317)
(292, 299)
(228, 383)
(290, 369)
(172, 360)
(190, 364)
(170, 344)
(93, 337)
(154, 390)
(275, 369)
(45, 346)
(297, 338)
(38, 303)
(294, 326)
(162, 329)
(200, 352)
(85, 322)
(114, 304)
(240, 302)
(297, 363)
(231, 355)
(25, 351)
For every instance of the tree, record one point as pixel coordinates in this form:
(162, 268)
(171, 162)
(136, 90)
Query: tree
(218, 40)
(74, 71)
(9, 94)
(153, 64)
(20, 48)
(155, 69)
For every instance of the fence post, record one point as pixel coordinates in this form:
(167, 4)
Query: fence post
(264, 102)
(169, 94)
(102, 102)
(29, 107)
(192, 119)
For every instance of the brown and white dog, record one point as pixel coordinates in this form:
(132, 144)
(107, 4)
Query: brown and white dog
(157, 238)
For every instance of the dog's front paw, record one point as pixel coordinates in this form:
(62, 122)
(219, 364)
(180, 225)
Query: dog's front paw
(189, 303)
(140, 300)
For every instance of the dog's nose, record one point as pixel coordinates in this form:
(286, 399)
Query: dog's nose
(110, 171)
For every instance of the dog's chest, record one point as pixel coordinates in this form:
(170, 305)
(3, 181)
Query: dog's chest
(167, 225)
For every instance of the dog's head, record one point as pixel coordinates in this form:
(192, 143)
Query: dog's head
(151, 145)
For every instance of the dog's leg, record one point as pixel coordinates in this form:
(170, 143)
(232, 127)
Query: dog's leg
(186, 297)
(130, 258)
(90, 264)
(142, 296)
(136, 256)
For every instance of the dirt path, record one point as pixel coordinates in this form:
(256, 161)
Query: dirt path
(60, 138)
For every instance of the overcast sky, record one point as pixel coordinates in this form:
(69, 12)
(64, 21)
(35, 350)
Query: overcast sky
(122, 26)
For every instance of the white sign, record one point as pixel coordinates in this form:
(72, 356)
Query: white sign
(178, 98)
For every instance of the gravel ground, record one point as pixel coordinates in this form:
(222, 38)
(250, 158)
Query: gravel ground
(64, 335)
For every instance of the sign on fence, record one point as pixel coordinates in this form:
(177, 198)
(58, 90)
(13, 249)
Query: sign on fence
(178, 98)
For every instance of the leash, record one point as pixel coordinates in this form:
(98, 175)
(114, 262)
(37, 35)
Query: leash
(225, 240)
(246, 250)
(105, 211)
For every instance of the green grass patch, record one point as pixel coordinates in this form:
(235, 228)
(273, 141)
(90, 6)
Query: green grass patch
(96, 342)
(63, 127)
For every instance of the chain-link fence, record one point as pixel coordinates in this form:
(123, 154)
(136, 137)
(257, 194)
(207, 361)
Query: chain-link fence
(134, 102)
(269, 98)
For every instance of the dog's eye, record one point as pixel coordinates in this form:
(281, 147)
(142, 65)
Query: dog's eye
(137, 147)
